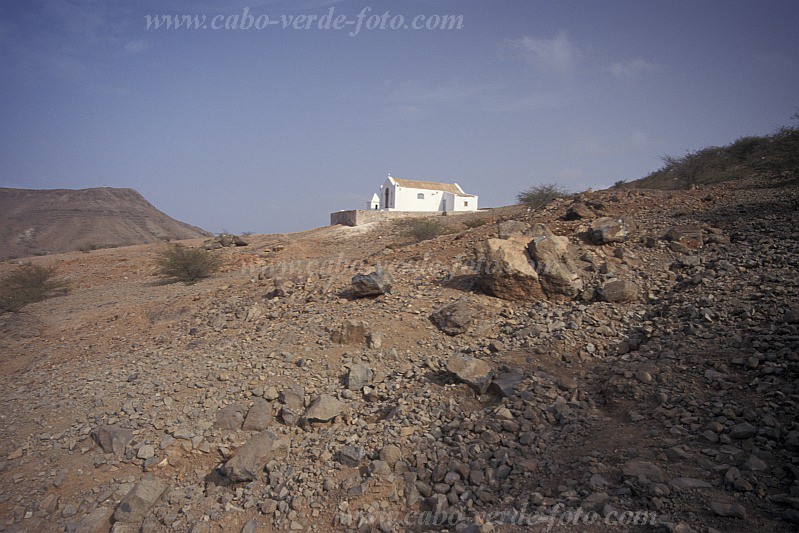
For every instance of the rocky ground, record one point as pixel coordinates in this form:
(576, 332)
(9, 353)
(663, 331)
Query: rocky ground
(625, 360)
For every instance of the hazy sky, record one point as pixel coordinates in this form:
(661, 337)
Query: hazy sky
(270, 130)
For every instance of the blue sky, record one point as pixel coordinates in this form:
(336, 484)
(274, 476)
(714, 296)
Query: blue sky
(270, 130)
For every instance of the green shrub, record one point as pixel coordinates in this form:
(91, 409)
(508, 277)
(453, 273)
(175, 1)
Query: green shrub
(28, 284)
(422, 229)
(619, 184)
(179, 263)
(541, 195)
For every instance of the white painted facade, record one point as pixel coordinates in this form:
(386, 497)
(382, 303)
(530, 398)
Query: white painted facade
(421, 196)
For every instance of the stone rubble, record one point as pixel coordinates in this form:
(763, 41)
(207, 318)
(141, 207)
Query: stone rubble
(664, 381)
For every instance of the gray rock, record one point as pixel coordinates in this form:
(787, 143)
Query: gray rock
(374, 284)
(271, 394)
(112, 439)
(324, 409)
(474, 372)
(506, 381)
(579, 211)
(455, 318)
(146, 452)
(137, 503)
(754, 464)
(685, 483)
(618, 291)
(608, 230)
(350, 456)
(509, 228)
(250, 527)
(293, 400)
(359, 376)
(249, 461)
(595, 501)
(731, 510)
(689, 235)
(98, 521)
(643, 470)
(391, 454)
(259, 416)
(230, 417)
(744, 430)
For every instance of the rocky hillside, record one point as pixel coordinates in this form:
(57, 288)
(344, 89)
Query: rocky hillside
(622, 361)
(36, 222)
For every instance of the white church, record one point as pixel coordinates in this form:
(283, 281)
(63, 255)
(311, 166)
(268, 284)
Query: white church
(424, 196)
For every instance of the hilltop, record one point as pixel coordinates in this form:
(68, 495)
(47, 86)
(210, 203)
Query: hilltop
(774, 157)
(36, 222)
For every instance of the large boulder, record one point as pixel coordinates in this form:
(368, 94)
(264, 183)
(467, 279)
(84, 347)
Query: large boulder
(374, 284)
(556, 270)
(474, 372)
(506, 270)
(619, 291)
(607, 230)
(249, 461)
(455, 318)
(112, 439)
(137, 503)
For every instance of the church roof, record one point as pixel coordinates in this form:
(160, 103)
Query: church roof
(429, 185)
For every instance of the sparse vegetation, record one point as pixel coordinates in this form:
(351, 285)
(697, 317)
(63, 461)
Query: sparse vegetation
(179, 263)
(29, 284)
(422, 229)
(774, 156)
(619, 184)
(541, 195)
(90, 247)
(474, 222)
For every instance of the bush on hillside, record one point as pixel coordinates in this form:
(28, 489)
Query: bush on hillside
(422, 229)
(541, 195)
(179, 263)
(774, 156)
(474, 222)
(29, 284)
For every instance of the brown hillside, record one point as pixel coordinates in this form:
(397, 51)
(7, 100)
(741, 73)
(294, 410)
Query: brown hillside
(36, 222)
(672, 399)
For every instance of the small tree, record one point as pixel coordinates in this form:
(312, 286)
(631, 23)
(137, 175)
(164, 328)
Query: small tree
(541, 195)
(188, 265)
(28, 284)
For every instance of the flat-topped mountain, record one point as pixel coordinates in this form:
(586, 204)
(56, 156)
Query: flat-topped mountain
(34, 222)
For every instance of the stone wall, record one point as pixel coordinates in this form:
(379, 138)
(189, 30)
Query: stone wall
(356, 217)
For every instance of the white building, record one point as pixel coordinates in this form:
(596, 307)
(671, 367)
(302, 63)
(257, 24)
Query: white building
(411, 195)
